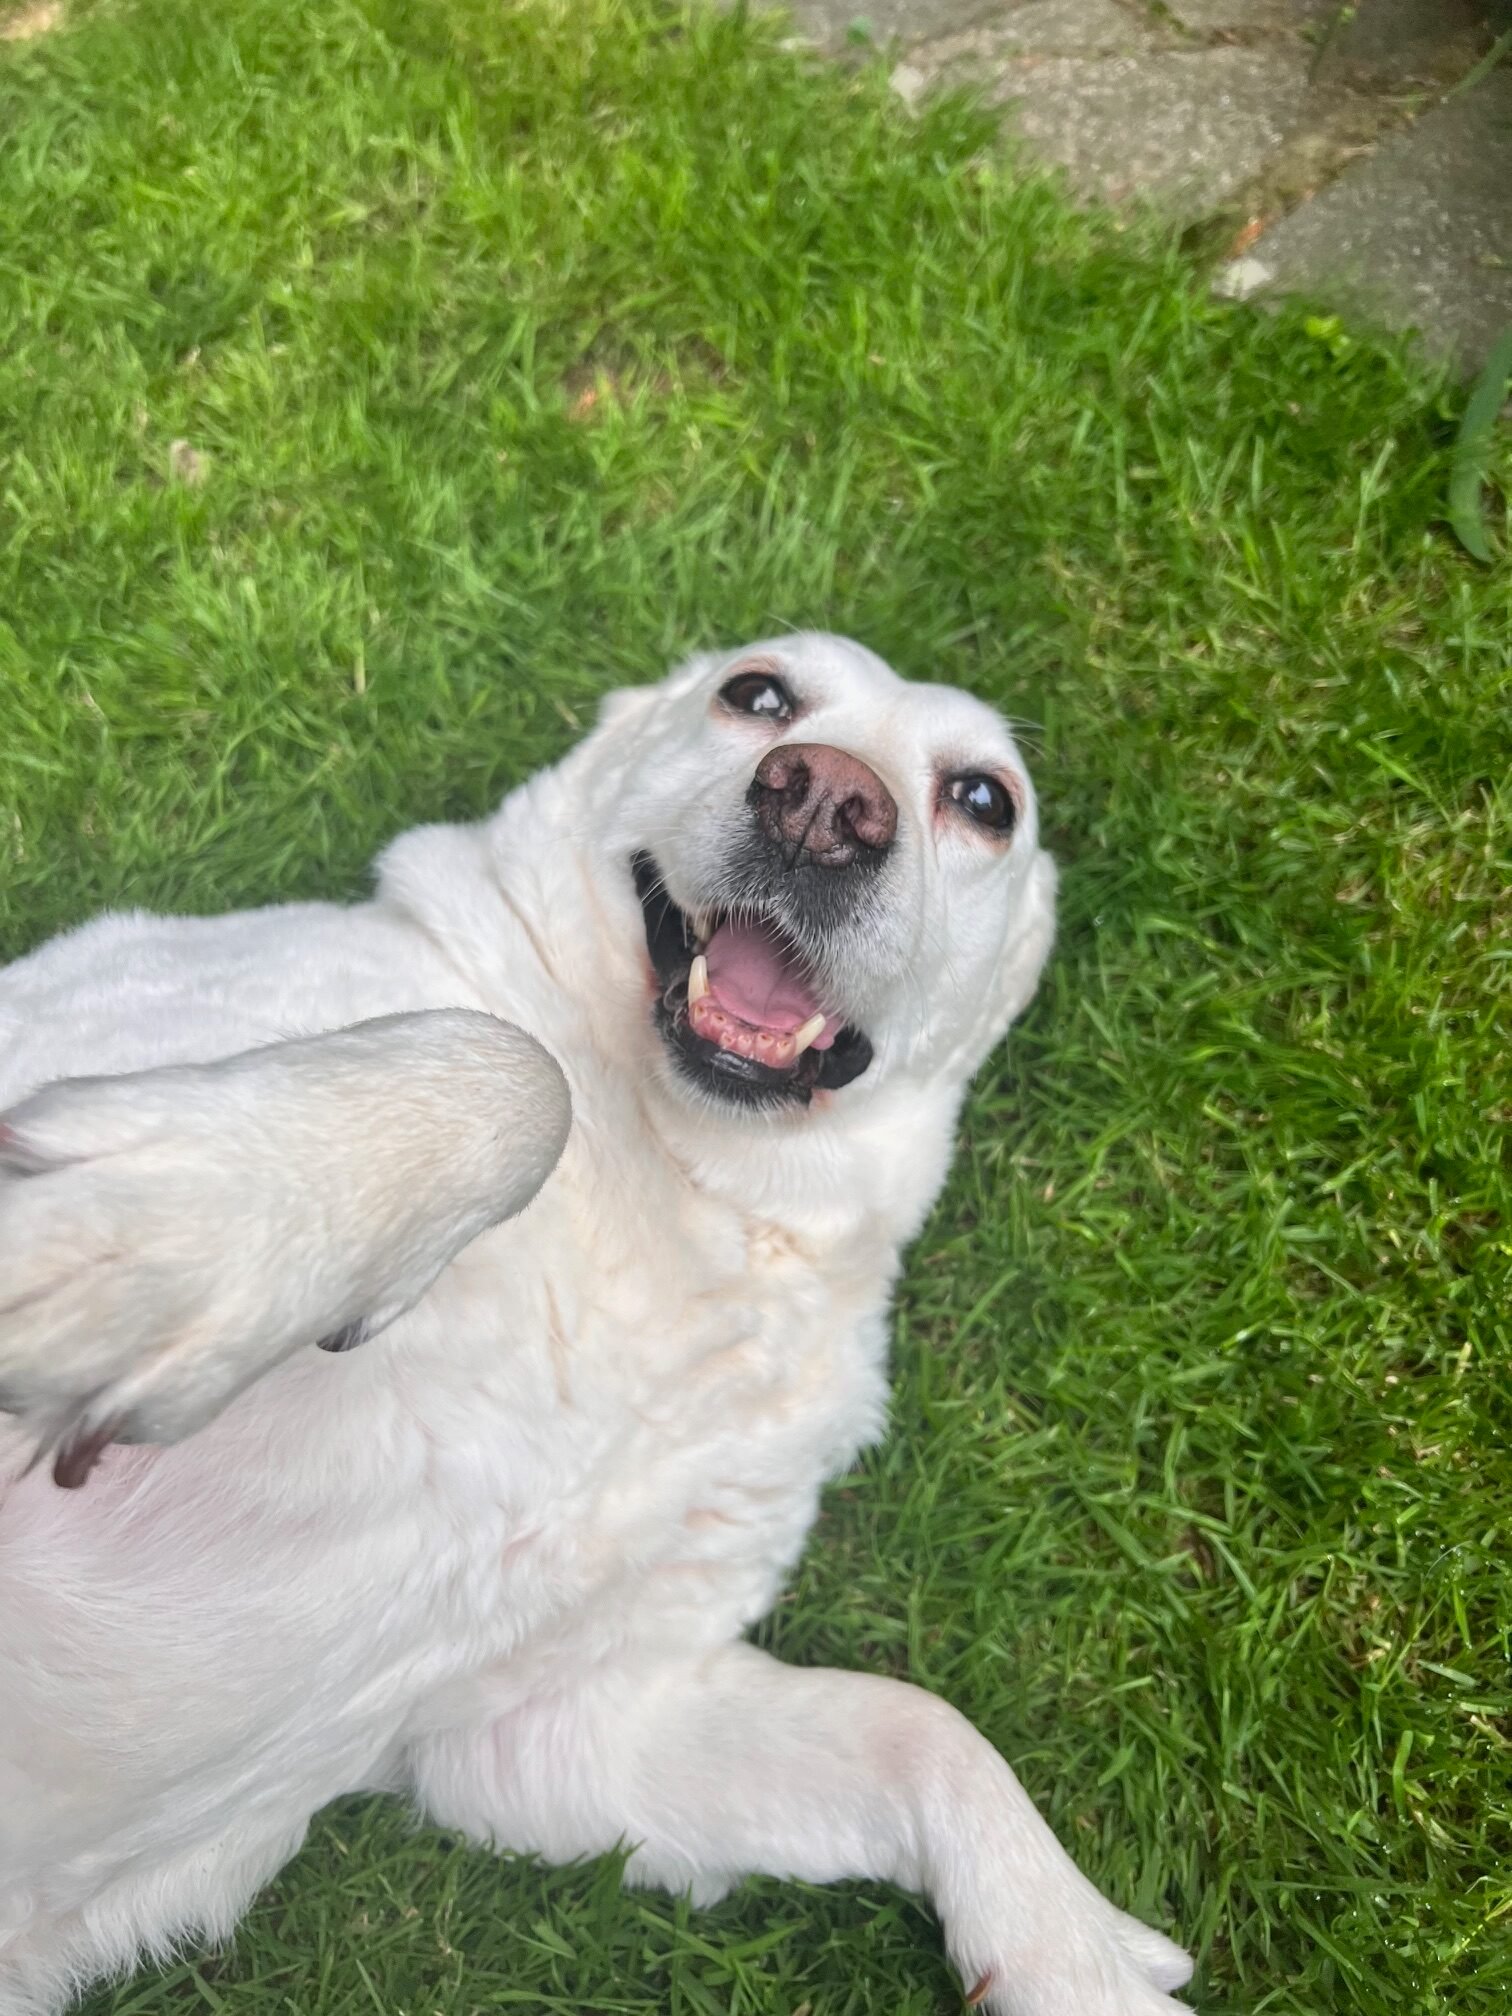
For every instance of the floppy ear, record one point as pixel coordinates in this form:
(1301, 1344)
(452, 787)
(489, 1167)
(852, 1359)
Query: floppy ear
(628, 705)
(1017, 973)
(625, 705)
(1027, 950)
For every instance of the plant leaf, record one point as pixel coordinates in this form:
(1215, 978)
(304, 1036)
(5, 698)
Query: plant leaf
(1472, 449)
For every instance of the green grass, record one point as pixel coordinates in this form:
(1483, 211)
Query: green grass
(1198, 1493)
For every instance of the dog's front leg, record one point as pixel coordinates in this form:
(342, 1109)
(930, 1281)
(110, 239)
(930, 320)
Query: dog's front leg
(744, 1766)
(168, 1236)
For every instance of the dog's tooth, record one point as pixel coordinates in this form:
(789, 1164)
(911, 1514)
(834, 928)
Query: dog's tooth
(804, 1036)
(698, 979)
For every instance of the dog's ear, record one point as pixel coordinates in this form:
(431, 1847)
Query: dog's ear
(1016, 975)
(628, 706)
(1028, 948)
(625, 705)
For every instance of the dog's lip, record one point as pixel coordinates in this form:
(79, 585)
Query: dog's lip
(754, 1065)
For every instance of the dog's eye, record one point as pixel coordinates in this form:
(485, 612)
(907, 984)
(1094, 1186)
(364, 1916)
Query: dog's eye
(760, 693)
(984, 800)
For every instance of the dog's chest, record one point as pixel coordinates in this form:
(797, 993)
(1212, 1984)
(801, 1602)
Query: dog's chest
(699, 1371)
(757, 1364)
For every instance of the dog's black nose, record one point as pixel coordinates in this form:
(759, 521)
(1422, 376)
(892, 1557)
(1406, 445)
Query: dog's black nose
(823, 805)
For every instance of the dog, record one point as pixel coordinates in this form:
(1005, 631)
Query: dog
(706, 998)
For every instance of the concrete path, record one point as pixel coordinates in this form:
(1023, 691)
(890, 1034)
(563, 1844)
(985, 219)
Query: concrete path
(1361, 156)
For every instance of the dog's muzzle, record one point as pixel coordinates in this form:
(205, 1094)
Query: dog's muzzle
(739, 1002)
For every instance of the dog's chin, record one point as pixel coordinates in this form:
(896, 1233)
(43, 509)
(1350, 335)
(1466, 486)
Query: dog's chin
(757, 1064)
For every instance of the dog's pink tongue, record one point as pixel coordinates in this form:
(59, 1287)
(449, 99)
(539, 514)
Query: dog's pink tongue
(753, 975)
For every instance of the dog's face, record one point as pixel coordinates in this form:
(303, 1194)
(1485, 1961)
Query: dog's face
(838, 871)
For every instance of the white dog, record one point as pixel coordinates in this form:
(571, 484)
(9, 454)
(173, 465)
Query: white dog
(769, 918)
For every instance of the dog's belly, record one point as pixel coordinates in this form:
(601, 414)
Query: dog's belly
(529, 1478)
(188, 1658)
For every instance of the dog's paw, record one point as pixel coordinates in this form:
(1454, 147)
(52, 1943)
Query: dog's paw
(1094, 1961)
(168, 1236)
(126, 1308)
(1112, 1986)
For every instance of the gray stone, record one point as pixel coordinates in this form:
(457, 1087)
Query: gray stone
(1013, 26)
(1383, 44)
(831, 24)
(1039, 28)
(1260, 17)
(1420, 232)
(1239, 109)
(1183, 128)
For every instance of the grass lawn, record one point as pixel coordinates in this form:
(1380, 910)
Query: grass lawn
(381, 380)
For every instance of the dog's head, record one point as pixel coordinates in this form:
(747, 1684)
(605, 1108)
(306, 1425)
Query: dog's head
(839, 873)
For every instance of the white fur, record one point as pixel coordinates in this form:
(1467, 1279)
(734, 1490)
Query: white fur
(501, 1557)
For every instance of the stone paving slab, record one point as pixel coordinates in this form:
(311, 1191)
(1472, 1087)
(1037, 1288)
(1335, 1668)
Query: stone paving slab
(1417, 234)
(1040, 28)
(1182, 128)
(1014, 26)
(1386, 44)
(1207, 17)
(830, 23)
(1228, 112)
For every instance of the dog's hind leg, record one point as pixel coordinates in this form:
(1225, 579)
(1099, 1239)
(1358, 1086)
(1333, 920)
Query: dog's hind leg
(167, 1236)
(153, 1912)
(740, 1765)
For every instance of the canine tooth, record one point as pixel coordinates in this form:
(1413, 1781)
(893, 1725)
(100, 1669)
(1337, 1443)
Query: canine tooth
(698, 979)
(804, 1036)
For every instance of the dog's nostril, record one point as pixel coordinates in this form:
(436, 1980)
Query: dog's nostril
(853, 817)
(825, 802)
(787, 778)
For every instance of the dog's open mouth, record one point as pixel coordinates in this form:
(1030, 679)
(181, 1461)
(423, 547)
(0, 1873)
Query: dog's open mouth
(737, 1006)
